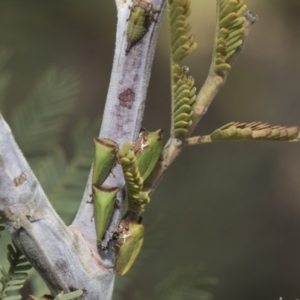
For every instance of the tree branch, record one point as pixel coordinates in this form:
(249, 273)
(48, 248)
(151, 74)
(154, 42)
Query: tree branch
(125, 103)
(67, 258)
(207, 93)
(63, 258)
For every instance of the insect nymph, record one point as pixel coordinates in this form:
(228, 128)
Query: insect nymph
(140, 18)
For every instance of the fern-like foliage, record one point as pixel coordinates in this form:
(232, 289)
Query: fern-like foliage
(184, 97)
(4, 75)
(229, 33)
(82, 137)
(14, 279)
(50, 169)
(255, 131)
(67, 194)
(60, 296)
(182, 44)
(68, 296)
(183, 90)
(63, 180)
(72, 183)
(38, 122)
(45, 297)
(185, 283)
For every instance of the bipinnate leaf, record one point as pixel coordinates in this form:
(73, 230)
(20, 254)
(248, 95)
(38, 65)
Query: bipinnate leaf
(183, 100)
(44, 297)
(15, 278)
(60, 296)
(182, 44)
(254, 131)
(37, 123)
(50, 169)
(229, 33)
(68, 296)
(63, 180)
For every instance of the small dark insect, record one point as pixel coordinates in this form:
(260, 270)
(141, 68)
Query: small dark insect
(141, 16)
(118, 237)
(115, 236)
(111, 242)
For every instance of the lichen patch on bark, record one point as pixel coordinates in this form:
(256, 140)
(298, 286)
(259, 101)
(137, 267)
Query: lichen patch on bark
(126, 98)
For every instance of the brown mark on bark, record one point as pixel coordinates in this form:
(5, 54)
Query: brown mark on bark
(126, 98)
(20, 179)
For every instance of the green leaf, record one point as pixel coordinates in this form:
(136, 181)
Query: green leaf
(183, 101)
(15, 278)
(37, 123)
(62, 180)
(182, 86)
(17, 297)
(254, 131)
(182, 44)
(68, 296)
(229, 32)
(50, 169)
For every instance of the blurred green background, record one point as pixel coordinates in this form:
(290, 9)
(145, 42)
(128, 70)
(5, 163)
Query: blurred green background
(233, 206)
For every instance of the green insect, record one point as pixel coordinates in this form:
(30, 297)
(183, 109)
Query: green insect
(104, 159)
(104, 198)
(128, 245)
(104, 201)
(139, 21)
(148, 148)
